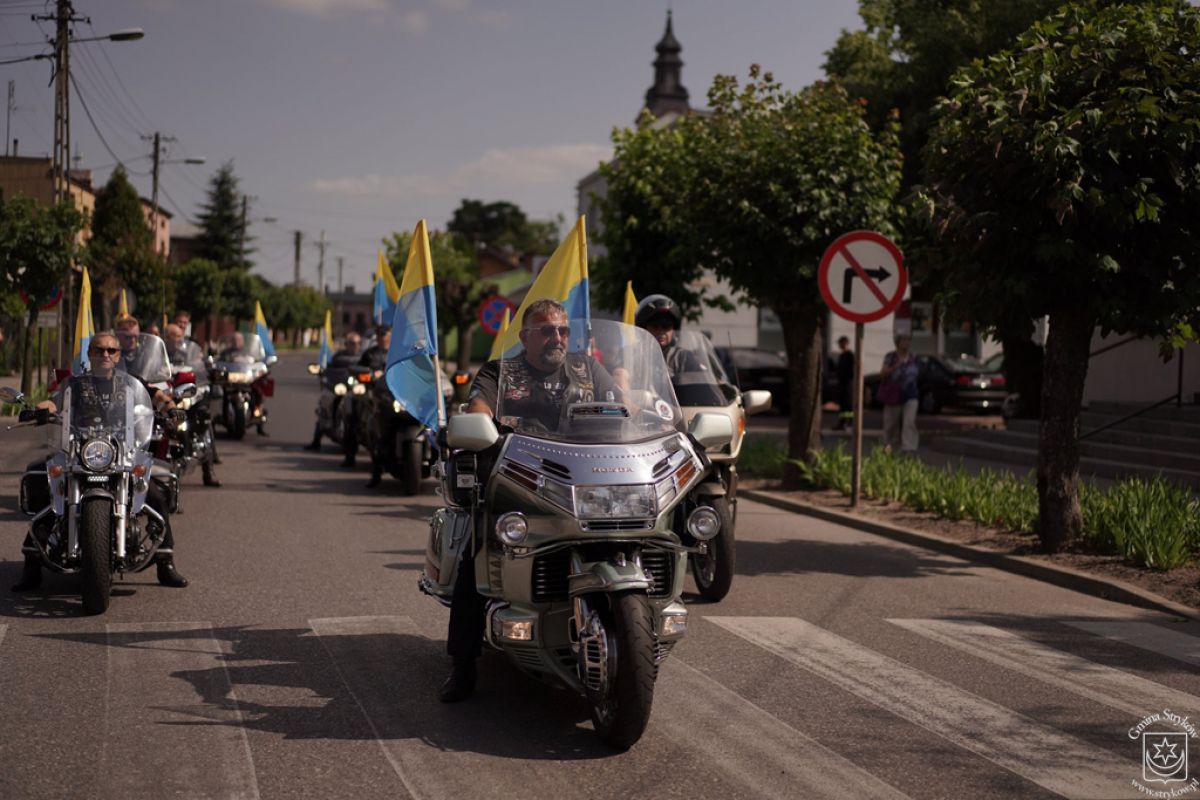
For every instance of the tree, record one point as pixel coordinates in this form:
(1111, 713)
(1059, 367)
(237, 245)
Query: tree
(223, 238)
(239, 291)
(780, 175)
(37, 247)
(503, 224)
(122, 246)
(644, 220)
(294, 308)
(1064, 182)
(457, 284)
(198, 286)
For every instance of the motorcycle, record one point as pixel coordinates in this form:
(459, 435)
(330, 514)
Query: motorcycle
(241, 381)
(96, 522)
(390, 433)
(337, 381)
(705, 389)
(145, 358)
(580, 553)
(193, 439)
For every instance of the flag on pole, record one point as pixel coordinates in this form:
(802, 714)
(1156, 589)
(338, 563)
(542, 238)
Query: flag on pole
(386, 292)
(85, 326)
(326, 354)
(504, 323)
(413, 373)
(260, 327)
(565, 279)
(630, 305)
(123, 311)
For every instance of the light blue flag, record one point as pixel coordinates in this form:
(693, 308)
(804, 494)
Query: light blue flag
(260, 327)
(412, 370)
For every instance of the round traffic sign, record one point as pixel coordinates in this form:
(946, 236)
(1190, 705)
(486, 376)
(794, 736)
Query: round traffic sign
(56, 295)
(862, 276)
(491, 312)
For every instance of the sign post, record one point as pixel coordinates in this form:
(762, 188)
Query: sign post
(862, 279)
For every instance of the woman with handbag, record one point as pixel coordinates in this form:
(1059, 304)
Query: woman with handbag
(898, 393)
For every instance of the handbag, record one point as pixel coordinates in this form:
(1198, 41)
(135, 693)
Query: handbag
(889, 393)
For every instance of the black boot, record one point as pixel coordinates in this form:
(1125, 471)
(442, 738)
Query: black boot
(31, 576)
(460, 684)
(168, 575)
(348, 462)
(315, 445)
(210, 475)
(376, 477)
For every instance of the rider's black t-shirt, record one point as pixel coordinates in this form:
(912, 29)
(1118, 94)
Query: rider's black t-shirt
(375, 357)
(530, 394)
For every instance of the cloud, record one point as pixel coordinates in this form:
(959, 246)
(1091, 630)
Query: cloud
(501, 169)
(317, 7)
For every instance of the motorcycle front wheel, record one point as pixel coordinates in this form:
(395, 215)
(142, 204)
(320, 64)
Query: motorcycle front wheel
(237, 428)
(621, 711)
(410, 467)
(713, 571)
(95, 540)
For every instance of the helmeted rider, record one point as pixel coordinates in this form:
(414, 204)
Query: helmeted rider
(660, 315)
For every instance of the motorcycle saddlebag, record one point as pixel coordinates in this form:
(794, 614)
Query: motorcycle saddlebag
(34, 492)
(267, 386)
(449, 536)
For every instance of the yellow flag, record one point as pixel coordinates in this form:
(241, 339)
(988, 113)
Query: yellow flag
(630, 304)
(496, 351)
(123, 312)
(565, 279)
(84, 326)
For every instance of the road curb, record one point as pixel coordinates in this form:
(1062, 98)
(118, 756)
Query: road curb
(1066, 577)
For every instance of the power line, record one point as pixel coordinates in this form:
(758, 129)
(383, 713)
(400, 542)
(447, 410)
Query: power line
(121, 83)
(99, 135)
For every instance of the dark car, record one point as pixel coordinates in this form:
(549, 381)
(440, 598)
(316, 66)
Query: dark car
(754, 368)
(960, 381)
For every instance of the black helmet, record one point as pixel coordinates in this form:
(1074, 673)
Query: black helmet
(655, 306)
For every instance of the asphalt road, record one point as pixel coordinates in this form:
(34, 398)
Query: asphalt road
(303, 662)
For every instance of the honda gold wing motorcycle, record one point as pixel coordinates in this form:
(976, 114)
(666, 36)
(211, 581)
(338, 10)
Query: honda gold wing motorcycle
(580, 552)
(241, 380)
(703, 388)
(193, 441)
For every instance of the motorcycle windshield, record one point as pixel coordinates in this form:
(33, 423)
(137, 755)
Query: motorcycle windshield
(117, 407)
(697, 373)
(248, 356)
(188, 357)
(619, 392)
(144, 356)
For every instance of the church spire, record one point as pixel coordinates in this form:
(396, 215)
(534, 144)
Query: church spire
(667, 93)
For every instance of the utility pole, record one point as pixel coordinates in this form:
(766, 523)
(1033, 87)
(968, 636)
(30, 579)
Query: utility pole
(12, 97)
(341, 286)
(242, 234)
(321, 265)
(299, 239)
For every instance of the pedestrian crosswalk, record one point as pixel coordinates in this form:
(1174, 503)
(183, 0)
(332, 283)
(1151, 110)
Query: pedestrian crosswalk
(382, 673)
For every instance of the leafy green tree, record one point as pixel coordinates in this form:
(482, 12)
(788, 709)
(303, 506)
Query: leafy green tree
(223, 238)
(645, 222)
(145, 274)
(294, 308)
(503, 224)
(198, 285)
(1064, 182)
(780, 175)
(122, 246)
(239, 291)
(37, 247)
(457, 284)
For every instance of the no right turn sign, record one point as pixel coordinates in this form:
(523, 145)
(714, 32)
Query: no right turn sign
(862, 276)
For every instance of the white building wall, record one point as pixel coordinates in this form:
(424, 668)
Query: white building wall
(1135, 373)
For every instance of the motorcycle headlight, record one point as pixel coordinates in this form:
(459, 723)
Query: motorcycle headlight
(397, 406)
(185, 403)
(359, 389)
(241, 377)
(615, 501)
(98, 454)
(512, 527)
(704, 523)
(340, 389)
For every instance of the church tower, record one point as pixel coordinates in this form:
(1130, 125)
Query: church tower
(667, 94)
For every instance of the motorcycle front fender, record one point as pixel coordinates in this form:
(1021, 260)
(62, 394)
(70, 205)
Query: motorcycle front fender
(141, 487)
(608, 576)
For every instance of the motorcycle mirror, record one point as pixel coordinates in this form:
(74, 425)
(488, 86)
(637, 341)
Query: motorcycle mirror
(472, 432)
(10, 395)
(314, 369)
(271, 360)
(711, 430)
(184, 390)
(756, 401)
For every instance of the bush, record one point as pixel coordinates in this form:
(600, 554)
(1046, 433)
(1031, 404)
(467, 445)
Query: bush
(761, 457)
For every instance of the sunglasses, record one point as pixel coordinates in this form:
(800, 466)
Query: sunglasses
(107, 351)
(563, 331)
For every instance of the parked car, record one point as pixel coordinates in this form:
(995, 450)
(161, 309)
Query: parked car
(755, 368)
(960, 381)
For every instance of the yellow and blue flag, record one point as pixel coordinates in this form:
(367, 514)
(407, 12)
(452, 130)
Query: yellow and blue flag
(412, 369)
(386, 292)
(123, 311)
(565, 279)
(504, 323)
(630, 312)
(260, 327)
(85, 327)
(326, 354)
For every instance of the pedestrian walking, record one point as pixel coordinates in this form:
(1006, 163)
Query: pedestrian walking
(845, 384)
(899, 395)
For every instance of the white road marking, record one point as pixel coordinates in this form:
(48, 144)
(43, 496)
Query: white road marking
(768, 756)
(1106, 685)
(1054, 760)
(1147, 636)
(171, 712)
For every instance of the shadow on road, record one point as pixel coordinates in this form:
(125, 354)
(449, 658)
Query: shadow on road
(863, 559)
(392, 679)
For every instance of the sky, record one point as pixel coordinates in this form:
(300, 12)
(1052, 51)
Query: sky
(359, 117)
